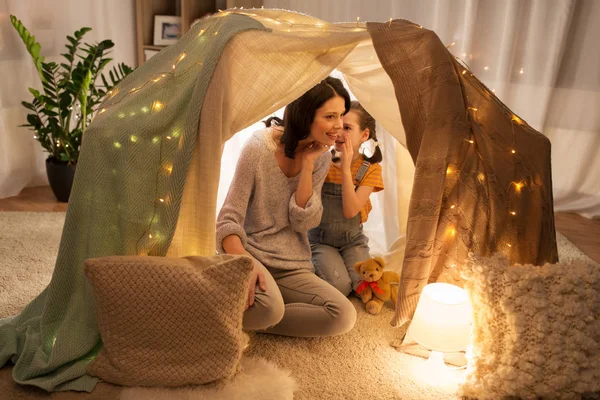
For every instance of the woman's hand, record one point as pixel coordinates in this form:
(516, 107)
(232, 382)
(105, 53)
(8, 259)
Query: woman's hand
(232, 244)
(311, 152)
(347, 153)
(257, 277)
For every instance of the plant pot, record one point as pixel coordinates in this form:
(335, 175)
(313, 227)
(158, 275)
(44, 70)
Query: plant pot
(60, 176)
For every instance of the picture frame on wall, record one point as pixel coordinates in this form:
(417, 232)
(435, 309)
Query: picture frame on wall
(167, 29)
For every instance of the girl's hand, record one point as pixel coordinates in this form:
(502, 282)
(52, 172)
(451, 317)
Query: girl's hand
(347, 152)
(311, 152)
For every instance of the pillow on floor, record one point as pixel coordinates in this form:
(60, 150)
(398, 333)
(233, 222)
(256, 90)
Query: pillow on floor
(536, 330)
(169, 322)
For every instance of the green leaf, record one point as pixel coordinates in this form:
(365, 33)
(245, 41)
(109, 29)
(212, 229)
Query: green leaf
(35, 49)
(29, 106)
(50, 113)
(103, 63)
(35, 93)
(34, 120)
(79, 34)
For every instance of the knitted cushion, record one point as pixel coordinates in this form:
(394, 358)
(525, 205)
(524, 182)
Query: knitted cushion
(536, 330)
(169, 322)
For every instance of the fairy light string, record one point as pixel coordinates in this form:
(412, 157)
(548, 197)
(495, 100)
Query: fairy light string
(115, 97)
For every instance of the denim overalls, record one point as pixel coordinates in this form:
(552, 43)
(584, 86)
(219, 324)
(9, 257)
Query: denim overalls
(338, 242)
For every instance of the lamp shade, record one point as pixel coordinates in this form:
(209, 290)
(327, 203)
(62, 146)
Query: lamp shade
(442, 319)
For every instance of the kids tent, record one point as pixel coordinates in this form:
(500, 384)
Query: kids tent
(147, 179)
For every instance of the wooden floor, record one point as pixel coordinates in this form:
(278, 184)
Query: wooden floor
(583, 232)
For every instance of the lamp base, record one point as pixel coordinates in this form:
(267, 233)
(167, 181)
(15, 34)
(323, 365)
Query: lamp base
(435, 361)
(434, 371)
(409, 346)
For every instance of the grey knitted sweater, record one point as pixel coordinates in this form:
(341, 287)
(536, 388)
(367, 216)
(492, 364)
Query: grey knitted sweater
(261, 207)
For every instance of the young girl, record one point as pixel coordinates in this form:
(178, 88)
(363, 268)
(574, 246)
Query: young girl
(339, 242)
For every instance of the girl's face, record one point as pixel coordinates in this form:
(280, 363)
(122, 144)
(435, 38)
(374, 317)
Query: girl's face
(352, 128)
(328, 121)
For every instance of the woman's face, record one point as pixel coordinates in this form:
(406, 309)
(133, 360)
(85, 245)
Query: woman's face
(352, 128)
(328, 121)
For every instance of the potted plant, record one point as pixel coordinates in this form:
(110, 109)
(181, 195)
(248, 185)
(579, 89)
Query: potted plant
(70, 95)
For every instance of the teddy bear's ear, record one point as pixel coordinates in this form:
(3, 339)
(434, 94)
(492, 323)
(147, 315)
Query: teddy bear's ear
(357, 266)
(380, 261)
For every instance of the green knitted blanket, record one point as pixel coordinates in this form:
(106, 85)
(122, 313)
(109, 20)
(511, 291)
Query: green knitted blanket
(135, 154)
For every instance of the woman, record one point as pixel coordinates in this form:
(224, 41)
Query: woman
(273, 200)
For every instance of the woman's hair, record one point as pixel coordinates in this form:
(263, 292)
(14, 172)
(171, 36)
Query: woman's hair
(366, 121)
(300, 113)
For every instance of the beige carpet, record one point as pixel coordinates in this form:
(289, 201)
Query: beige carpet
(358, 365)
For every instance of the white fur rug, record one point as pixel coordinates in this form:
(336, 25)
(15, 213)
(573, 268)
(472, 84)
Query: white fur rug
(259, 379)
(359, 365)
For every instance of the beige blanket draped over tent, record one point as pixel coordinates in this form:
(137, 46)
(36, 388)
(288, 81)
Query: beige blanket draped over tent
(147, 179)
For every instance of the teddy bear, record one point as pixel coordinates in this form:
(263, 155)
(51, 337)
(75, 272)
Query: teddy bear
(376, 286)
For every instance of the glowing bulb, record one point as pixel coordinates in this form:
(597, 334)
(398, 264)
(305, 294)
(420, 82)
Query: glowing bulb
(131, 113)
(452, 206)
(169, 168)
(493, 90)
(181, 57)
(448, 170)
(102, 111)
(35, 137)
(521, 71)
(464, 71)
(481, 177)
(121, 115)
(145, 110)
(150, 235)
(215, 33)
(450, 45)
(201, 32)
(157, 105)
(517, 119)
(513, 151)
(155, 139)
(133, 90)
(117, 145)
(486, 68)
(470, 141)
(518, 186)
(133, 139)
(161, 200)
(509, 245)
(169, 138)
(472, 108)
(513, 213)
